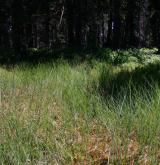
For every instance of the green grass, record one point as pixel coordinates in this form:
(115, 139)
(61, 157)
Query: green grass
(90, 112)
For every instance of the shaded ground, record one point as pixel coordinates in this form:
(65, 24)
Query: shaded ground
(143, 78)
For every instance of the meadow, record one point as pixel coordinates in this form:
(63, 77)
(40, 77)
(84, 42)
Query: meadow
(102, 109)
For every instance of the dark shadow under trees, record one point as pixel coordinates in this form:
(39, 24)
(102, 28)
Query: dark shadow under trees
(126, 83)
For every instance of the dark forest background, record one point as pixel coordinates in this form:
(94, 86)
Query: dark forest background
(50, 24)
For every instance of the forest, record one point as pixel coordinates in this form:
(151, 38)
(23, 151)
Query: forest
(80, 82)
(116, 24)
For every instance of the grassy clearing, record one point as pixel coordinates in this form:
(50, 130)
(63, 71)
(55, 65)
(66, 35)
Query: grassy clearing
(91, 112)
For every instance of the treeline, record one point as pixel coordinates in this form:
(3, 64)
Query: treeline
(116, 24)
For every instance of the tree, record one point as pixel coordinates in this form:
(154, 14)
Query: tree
(17, 26)
(155, 20)
(5, 26)
(114, 24)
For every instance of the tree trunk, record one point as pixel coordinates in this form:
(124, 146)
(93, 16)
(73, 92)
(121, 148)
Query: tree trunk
(116, 24)
(70, 22)
(110, 23)
(17, 25)
(132, 24)
(144, 24)
(78, 23)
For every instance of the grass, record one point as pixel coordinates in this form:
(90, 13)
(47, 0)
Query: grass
(93, 111)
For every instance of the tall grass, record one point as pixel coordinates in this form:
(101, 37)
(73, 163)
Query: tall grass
(87, 113)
